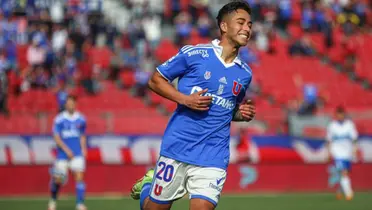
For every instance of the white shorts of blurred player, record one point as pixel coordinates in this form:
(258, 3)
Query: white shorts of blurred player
(173, 179)
(60, 167)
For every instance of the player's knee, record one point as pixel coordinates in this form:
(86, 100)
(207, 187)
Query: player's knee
(58, 179)
(345, 173)
(79, 176)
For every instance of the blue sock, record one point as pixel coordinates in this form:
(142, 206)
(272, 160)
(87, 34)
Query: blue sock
(145, 192)
(80, 192)
(54, 188)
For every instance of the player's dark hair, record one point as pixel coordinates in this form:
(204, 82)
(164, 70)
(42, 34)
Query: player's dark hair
(71, 97)
(233, 6)
(340, 110)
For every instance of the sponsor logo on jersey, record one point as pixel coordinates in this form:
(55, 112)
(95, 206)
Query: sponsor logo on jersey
(72, 133)
(217, 100)
(204, 53)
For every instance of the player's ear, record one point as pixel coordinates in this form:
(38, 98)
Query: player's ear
(223, 26)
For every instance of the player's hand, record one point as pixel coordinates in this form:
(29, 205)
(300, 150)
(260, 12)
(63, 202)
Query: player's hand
(70, 155)
(248, 110)
(197, 101)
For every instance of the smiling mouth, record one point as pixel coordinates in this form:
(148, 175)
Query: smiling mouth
(245, 36)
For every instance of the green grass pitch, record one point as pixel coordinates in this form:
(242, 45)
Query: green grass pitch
(300, 201)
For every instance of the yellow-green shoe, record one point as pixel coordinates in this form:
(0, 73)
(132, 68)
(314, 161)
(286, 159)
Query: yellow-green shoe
(137, 187)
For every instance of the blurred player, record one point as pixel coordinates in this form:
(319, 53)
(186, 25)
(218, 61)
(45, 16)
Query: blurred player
(341, 138)
(195, 148)
(69, 134)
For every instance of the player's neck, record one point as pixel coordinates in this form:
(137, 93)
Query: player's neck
(229, 51)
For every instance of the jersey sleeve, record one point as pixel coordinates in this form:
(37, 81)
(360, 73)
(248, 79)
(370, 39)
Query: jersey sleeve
(83, 127)
(353, 131)
(242, 93)
(174, 67)
(57, 126)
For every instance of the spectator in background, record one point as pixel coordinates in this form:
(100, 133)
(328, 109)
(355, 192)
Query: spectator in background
(319, 17)
(204, 25)
(310, 99)
(59, 38)
(303, 47)
(183, 28)
(62, 96)
(284, 13)
(307, 17)
(348, 19)
(35, 53)
(11, 53)
(3, 92)
(152, 30)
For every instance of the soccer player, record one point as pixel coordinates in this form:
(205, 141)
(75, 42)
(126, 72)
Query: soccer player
(69, 135)
(195, 149)
(341, 138)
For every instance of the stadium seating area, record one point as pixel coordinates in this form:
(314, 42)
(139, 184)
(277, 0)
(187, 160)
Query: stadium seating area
(280, 77)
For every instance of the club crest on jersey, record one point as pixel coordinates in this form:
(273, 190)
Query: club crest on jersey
(236, 88)
(207, 75)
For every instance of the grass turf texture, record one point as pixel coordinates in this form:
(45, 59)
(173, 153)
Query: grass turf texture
(300, 201)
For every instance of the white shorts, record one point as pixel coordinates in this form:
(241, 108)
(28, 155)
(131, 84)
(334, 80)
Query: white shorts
(173, 179)
(76, 164)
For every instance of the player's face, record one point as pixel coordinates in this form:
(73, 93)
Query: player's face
(340, 116)
(70, 105)
(239, 27)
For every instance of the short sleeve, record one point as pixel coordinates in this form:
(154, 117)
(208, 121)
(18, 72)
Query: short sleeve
(242, 93)
(57, 126)
(83, 127)
(353, 131)
(174, 67)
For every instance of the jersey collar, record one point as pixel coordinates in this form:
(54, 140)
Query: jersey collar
(72, 117)
(218, 50)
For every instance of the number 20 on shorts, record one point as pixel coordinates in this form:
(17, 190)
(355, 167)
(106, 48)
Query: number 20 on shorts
(165, 173)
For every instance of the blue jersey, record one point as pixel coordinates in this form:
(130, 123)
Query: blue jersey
(202, 138)
(70, 128)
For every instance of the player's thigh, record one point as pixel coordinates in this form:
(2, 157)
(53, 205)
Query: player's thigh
(204, 185)
(168, 183)
(77, 166)
(60, 171)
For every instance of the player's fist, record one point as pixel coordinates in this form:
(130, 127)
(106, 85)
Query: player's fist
(197, 101)
(247, 110)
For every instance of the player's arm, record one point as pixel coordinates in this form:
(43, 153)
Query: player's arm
(328, 141)
(173, 68)
(62, 145)
(83, 140)
(354, 136)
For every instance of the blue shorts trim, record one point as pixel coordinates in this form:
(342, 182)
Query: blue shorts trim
(159, 202)
(204, 198)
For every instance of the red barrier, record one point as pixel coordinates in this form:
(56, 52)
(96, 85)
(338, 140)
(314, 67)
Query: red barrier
(33, 180)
